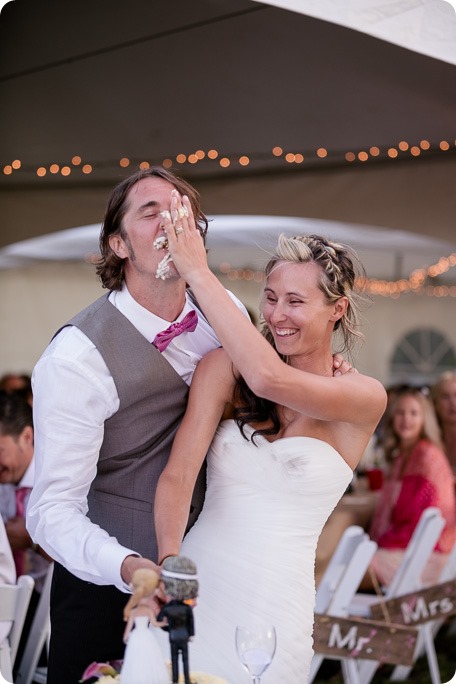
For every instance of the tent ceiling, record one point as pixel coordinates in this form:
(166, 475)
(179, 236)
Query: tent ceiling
(149, 80)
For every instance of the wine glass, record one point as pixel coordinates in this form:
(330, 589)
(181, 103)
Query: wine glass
(255, 647)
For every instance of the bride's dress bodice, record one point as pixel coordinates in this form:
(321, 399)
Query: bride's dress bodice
(254, 545)
(291, 481)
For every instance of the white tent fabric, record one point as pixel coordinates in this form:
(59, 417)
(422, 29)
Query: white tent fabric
(245, 242)
(425, 26)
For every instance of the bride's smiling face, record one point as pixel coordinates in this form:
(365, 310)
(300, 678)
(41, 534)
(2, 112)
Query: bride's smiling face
(296, 310)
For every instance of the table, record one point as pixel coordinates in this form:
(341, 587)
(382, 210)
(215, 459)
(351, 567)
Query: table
(355, 508)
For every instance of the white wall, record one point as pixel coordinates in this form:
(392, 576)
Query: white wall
(388, 320)
(36, 300)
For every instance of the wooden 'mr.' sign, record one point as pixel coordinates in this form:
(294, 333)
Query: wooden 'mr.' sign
(365, 639)
(438, 601)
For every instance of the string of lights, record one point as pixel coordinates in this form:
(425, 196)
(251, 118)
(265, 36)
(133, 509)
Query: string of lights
(77, 165)
(417, 282)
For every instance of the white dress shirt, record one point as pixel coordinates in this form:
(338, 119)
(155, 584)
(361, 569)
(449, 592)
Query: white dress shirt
(73, 395)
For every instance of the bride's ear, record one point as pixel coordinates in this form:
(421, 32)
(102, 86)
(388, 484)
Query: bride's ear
(340, 309)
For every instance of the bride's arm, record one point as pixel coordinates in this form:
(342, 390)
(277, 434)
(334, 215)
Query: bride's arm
(210, 391)
(351, 398)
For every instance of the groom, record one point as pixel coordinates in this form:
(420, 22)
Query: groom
(107, 404)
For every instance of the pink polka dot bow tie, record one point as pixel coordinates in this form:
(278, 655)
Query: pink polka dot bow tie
(187, 324)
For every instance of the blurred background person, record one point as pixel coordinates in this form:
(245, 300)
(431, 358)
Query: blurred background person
(12, 382)
(444, 397)
(7, 572)
(420, 476)
(374, 456)
(17, 474)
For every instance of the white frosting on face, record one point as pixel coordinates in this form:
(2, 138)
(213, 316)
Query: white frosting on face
(161, 242)
(163, 267)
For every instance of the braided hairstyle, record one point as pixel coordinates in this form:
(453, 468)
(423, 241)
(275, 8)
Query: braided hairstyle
(340, 272)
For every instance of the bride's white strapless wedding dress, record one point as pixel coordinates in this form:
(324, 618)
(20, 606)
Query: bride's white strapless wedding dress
(254, 545)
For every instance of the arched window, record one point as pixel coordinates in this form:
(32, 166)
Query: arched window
(421, 356)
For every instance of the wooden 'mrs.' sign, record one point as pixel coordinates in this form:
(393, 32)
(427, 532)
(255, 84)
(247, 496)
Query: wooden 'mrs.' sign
(438, 601)
(366, 639)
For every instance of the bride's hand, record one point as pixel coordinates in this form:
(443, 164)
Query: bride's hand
(185, 242)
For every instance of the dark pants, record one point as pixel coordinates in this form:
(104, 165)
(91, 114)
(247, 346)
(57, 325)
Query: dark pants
(176, 648)
(86, 626)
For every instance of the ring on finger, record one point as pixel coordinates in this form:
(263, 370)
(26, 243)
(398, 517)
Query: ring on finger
(178, 231)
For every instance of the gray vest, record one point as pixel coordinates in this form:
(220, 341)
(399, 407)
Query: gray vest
(138, 438)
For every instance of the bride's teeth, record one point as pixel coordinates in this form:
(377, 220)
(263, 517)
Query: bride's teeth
(284, 333)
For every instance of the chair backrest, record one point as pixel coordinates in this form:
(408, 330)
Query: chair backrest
(38, 636)
(425, 536)
(14, 602)
(350, 540)
(449, 569)
(339, 584)
(407, 579)
(351, 578)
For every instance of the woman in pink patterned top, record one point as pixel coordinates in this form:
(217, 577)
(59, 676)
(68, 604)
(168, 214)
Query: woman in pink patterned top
(420, 477)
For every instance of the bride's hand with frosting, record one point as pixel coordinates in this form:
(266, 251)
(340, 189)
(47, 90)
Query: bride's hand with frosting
(185, 242)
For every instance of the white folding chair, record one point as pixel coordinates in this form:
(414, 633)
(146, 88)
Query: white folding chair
(349, 541)
(38, 638)
(338, 585)
(14, 601)
(428, 631)
(406, 579)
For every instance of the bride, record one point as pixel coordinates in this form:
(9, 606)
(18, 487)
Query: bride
(288, 435)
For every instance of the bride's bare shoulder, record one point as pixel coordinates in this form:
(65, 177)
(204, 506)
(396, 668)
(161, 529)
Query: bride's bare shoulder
(366, 391)
(216, 364)
(215, 357)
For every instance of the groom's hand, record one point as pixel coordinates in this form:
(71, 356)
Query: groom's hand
(341, 366)
(132, 563)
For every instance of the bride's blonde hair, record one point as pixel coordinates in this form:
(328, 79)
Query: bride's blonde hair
(342, 275)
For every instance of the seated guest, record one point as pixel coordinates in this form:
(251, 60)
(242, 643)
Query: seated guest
(444, 397)
(7, 572)
(12, 382)
(420, 476)
(17, 474)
